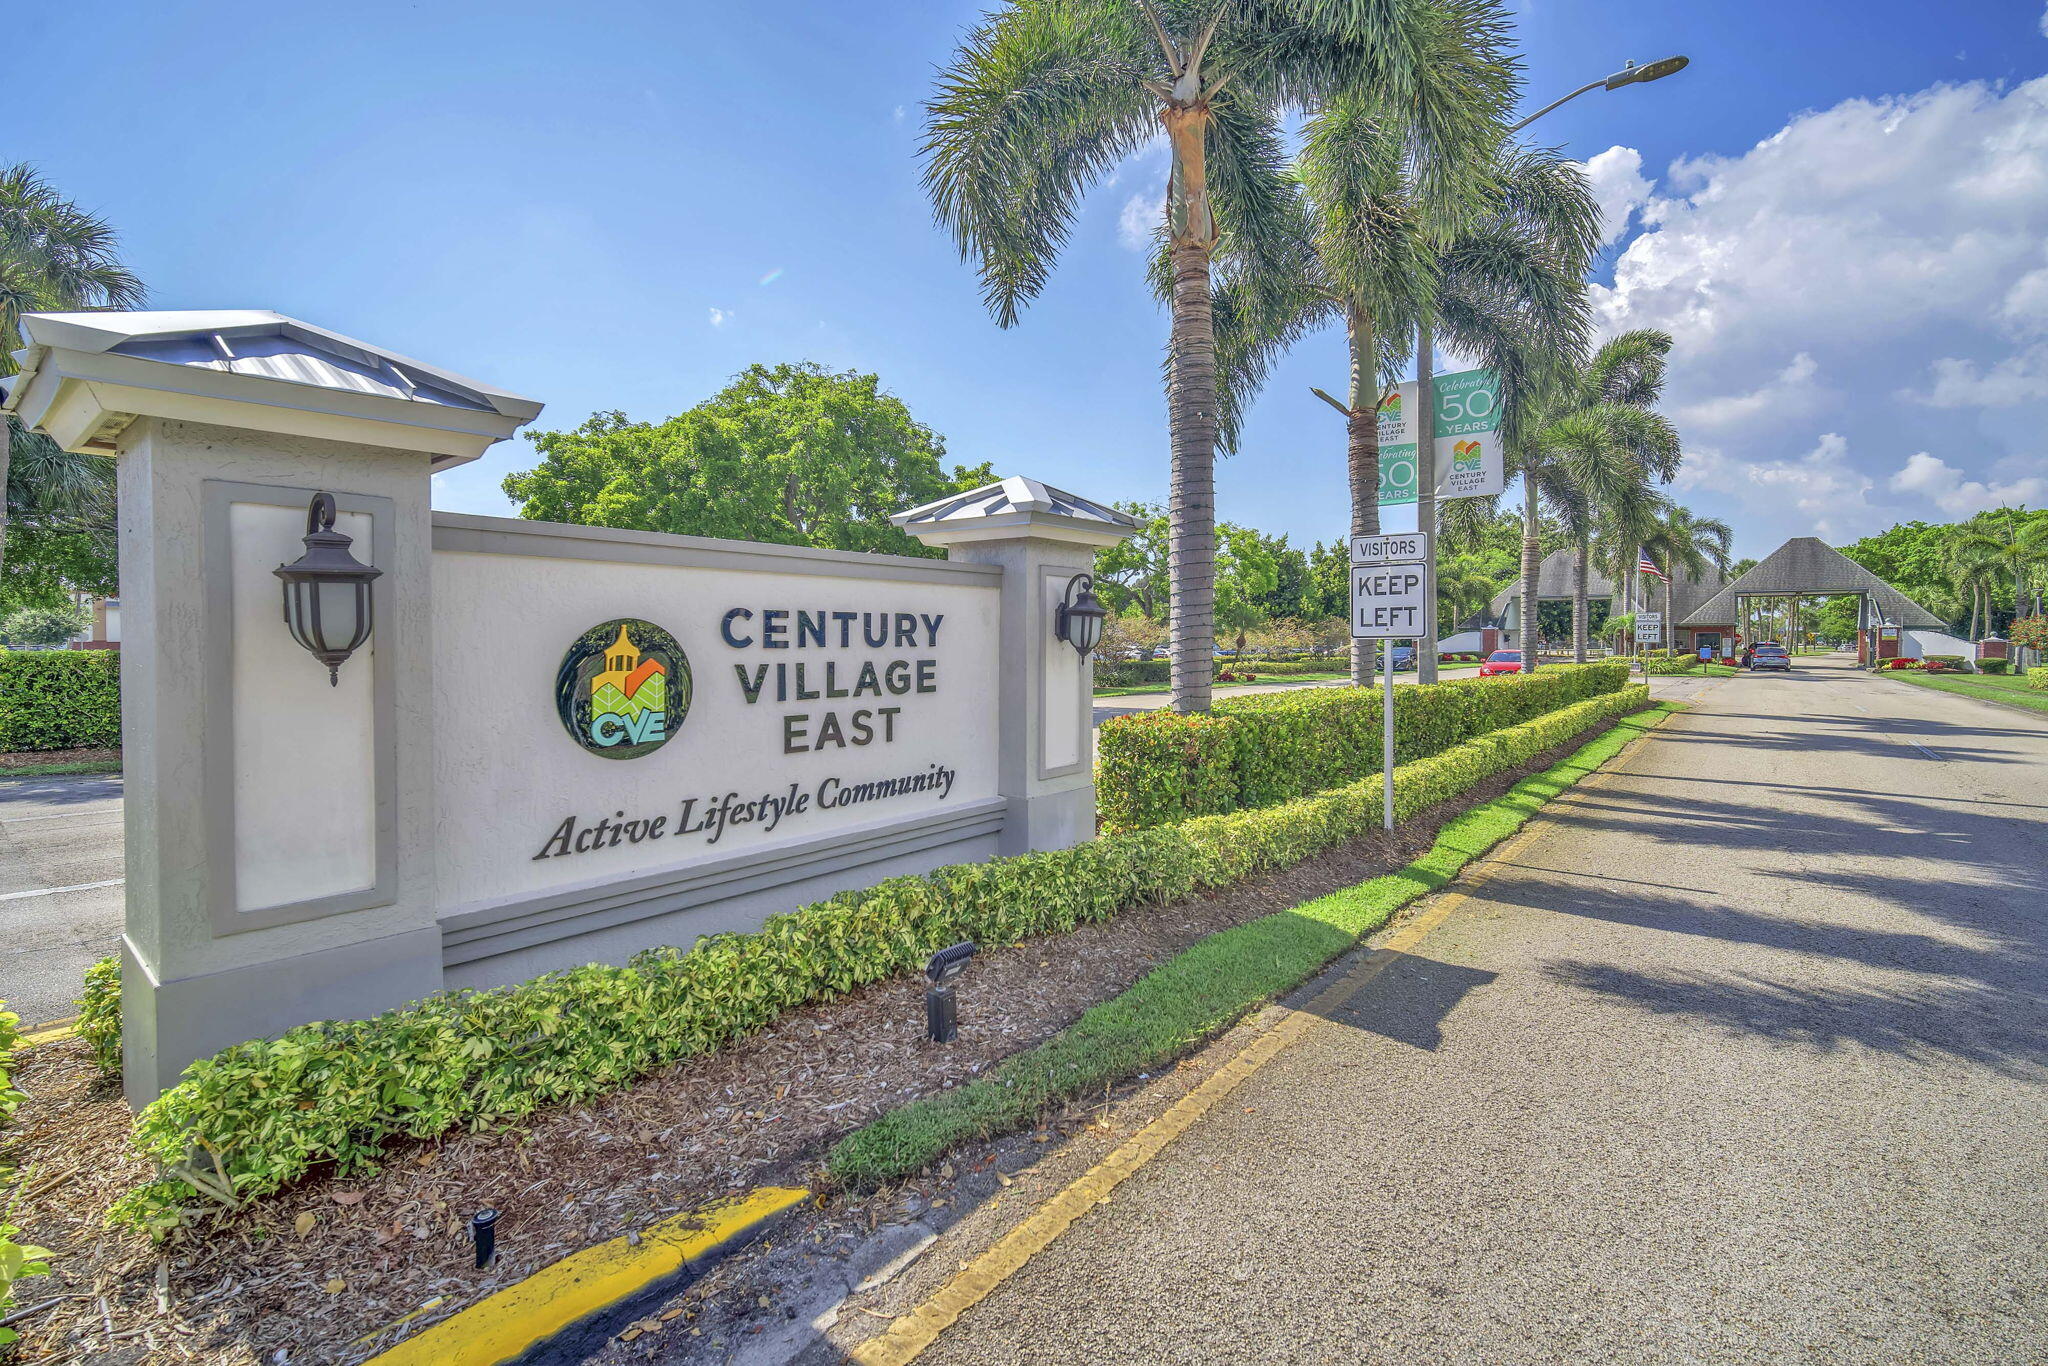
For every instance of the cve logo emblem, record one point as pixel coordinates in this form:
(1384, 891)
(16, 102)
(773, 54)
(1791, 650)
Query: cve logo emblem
(623, 688)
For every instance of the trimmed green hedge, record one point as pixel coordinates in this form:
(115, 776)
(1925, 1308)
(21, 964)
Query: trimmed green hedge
(60, 699)
(1204, 989)
(99, 1014)
(264, 1113)
(1161, 767)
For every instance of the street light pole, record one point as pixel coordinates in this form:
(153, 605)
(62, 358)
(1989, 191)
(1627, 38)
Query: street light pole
(1630, 74)
(1425, 399)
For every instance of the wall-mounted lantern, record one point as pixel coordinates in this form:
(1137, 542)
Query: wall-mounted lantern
(1078, 619)
(327, 599)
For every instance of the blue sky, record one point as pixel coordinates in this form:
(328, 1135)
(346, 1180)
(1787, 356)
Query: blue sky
(618, 206)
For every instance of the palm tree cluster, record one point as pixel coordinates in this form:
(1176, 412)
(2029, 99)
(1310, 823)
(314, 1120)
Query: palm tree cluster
(57, 257)
(1333, 163)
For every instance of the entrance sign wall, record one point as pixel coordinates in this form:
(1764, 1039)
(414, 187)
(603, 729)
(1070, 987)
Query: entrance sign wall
(561, 744)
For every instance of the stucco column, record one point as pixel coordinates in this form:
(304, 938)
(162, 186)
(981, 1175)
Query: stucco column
(279, 828)
(1041, 537)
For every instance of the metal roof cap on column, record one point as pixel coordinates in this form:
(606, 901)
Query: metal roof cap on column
(85, 376)
(1012, 507)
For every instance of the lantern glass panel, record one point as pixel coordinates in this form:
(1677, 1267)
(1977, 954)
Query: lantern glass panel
(338, 615)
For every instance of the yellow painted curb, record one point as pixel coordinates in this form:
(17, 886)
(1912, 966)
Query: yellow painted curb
(559, 1295)
(56, 1033)
(910, 1334)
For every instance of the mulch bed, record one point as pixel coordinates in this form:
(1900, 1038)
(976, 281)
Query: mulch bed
(303, 1276)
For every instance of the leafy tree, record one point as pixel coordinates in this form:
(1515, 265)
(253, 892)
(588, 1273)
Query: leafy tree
(61, 532)
(1246, 572)
(44, 628)
(1289, 598)
(1133, 572)
(792, 454)
(54, 257)
(1046, 97)
(1836, 619)
(1329, 582)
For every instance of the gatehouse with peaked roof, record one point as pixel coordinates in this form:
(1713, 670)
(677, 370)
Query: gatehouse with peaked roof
(1499, 625)
(1889, 625)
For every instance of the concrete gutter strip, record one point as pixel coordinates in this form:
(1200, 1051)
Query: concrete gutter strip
(513, 1321)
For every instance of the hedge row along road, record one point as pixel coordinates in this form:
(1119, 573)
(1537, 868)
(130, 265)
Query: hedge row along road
(1743, 1056)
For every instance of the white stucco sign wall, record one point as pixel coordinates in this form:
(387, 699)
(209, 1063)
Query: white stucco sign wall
(557, 744)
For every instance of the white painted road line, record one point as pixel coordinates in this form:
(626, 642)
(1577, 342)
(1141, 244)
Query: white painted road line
(52, 891)
(59, 816)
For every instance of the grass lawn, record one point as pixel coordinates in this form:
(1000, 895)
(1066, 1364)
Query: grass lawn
(47, 763)
(2014, 692)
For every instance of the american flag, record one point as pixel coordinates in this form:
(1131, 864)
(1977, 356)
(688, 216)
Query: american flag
(1644, 566)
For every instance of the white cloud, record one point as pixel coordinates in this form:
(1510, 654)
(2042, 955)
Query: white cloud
(899, 113)
(720, 316)
(1141, 216)
(1874, 271)
(2016, 379)
(1943, 484)
(1790, 393)
(1616, 177)
(2044, 24)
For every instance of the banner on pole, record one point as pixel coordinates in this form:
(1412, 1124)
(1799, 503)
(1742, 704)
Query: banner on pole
(1469, 463)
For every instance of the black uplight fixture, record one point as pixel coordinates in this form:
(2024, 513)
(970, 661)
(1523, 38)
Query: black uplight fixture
(1079, 617)
(327, 599)
(941, 1011)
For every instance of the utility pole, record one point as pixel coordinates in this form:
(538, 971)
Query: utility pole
(1425, 492)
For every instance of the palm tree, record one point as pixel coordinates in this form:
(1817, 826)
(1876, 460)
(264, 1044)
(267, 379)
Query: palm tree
(1687, 544)
(1502, 268)
(54, 257)
(1047, 96)
(1591, 451)
(1972, 568)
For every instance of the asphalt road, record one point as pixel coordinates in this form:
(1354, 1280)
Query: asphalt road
(1743, 1059)
(60, 891)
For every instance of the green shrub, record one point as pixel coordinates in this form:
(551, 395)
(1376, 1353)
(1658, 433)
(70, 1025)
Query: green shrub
(2038, 678)
(1942, 663)
(10, 1033)
(1254, 751)
(262, 1114)
(60, 699)
(1992, 666)
(99, 1014)
(18, 1262)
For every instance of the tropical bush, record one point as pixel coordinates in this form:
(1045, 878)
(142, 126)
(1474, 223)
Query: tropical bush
(253, 1118)
(2038, 678)
(1943, 664)
(1161, 767)
(99, 1014)
(10, 1033)
(60, 699)
(1902, 663)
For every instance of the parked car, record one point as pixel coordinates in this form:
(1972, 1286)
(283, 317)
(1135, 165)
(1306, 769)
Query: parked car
(1501, 662)
(1770, 657)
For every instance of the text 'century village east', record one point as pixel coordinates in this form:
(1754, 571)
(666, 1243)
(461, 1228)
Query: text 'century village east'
(779, 628)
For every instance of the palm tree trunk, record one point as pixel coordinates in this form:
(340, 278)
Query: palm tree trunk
(1670, 627)
(1191, 411)
(1532, 560)
(1579, 557)
(1362, 454)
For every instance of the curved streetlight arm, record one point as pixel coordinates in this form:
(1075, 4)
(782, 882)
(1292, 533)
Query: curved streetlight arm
(1518, 127)
(1631, 74)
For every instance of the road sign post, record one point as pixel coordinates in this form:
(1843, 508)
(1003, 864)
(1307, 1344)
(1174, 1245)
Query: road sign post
(1389, 602)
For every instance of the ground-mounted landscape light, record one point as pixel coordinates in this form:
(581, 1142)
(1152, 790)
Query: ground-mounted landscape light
(1079, 617)
(327, 599)
(941, 1011)
(483, 1231)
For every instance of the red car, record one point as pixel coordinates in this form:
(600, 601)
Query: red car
(1501, 662)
